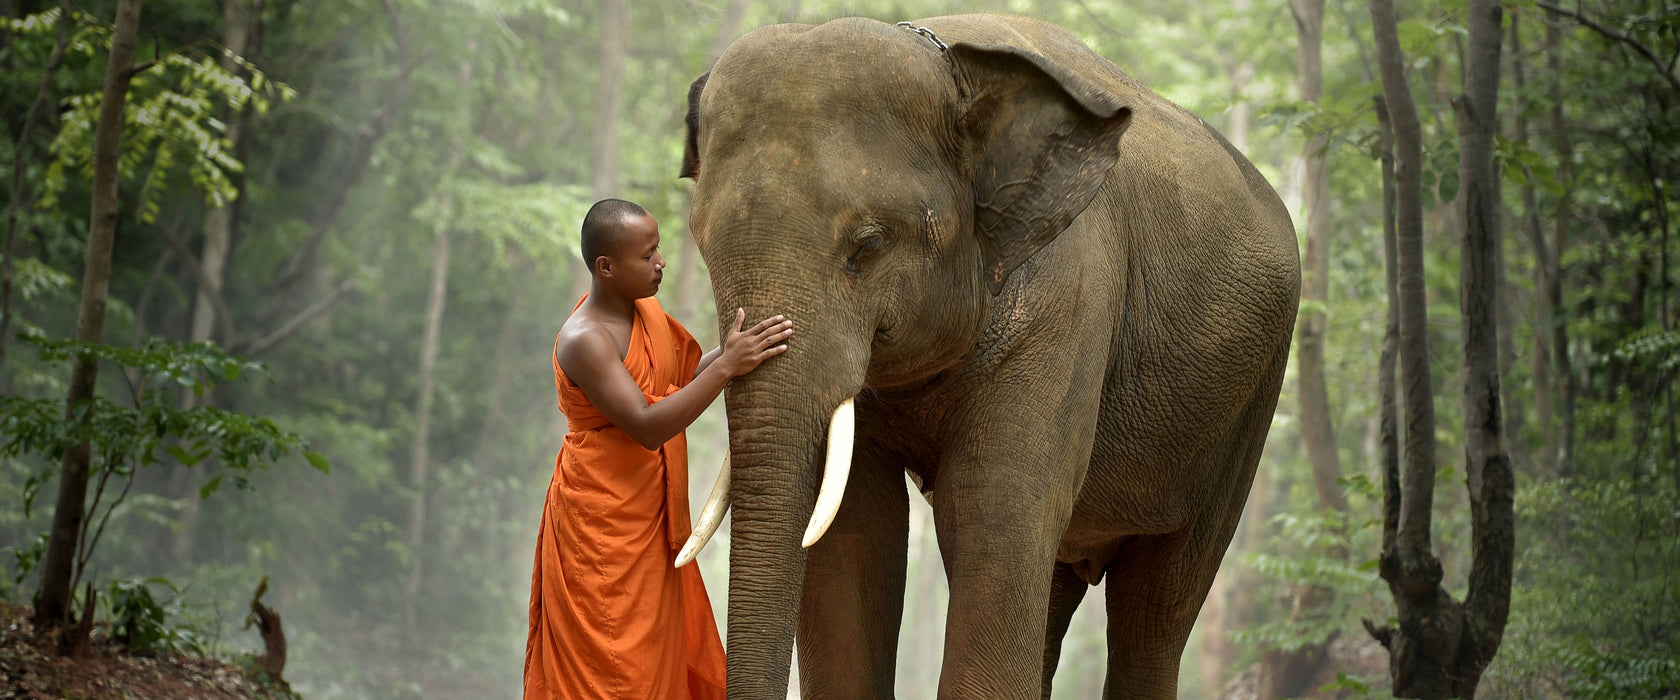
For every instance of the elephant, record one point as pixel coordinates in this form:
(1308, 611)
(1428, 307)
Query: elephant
(1060, 303)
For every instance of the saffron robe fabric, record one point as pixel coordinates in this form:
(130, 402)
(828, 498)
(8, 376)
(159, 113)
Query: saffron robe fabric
(610, 616)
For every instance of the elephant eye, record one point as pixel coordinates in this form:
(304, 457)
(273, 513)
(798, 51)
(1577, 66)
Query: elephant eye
(866, 241)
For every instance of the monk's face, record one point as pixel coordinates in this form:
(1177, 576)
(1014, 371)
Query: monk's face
(636, 265)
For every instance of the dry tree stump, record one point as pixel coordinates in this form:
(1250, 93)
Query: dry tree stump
(273, 659)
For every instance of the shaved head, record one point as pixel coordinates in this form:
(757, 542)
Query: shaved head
(604, 228)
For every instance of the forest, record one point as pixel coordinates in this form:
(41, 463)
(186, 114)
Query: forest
(281, 280)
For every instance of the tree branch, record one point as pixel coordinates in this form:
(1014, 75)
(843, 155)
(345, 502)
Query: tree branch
(1613, 34)
(396, 91)
(259, 346)
(130, 73)
(19, 150)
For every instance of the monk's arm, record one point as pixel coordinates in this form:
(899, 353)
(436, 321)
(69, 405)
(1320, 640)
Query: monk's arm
(706, 359)
(591, 361)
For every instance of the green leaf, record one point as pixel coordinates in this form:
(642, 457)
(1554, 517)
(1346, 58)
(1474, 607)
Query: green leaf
(210, 487)
(187, 459)
(1370, 565)
(317, 460)
(1449, 185)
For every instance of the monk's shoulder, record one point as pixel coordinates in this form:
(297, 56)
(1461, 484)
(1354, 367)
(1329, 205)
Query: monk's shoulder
(584, 343)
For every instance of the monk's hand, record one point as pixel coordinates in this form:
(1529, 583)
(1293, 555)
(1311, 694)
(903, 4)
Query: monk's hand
(744, 350)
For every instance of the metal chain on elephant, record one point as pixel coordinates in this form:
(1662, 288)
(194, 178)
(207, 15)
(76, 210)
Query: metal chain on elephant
(924, 31)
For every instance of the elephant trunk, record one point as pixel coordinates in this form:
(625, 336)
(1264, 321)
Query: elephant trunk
(837, 469)
(779, 419)
(783, 418)
(773, 484)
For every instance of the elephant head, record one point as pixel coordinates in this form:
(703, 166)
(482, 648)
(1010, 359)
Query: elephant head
(879, 189)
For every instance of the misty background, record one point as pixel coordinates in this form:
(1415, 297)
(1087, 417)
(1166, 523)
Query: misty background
(389, 223)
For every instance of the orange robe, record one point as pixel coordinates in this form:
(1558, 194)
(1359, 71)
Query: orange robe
(610, 616)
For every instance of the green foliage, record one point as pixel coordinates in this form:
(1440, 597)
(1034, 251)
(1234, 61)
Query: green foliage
(170, 121)
(1348, 686)
(1658, 349)
(1296, 559)
(1518, 162)
(124, 438)
(141, 622)
(127, 436)
(26, 557)
(1602, 675)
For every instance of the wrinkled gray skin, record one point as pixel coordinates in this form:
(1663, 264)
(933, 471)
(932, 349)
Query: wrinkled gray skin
(1064, 306)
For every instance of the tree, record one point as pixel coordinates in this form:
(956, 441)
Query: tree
(609, 94)
(210, 303)
(52, 603)
(436, 298)
(20, 151)
(1561, 354)
(1286, 672)
(1441, 646)
(1545, 265)
(1492, 487)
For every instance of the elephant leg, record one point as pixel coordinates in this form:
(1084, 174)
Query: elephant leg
(853, 600)
(1001, 505)
(1067, 590)
(1157, 584)
(1153, 593)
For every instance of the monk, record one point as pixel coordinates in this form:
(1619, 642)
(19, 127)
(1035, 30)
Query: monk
(610, 616)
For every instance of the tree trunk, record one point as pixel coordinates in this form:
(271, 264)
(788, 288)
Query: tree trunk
(52, 601)
(20, 151)
(1492, 487)
(419, 455)
(1388, 414)
(1544, 267)
(609, 92)
(1554, 280)
(691, 271)
(212, 259)
(218, 222)
(273, 659)
(1418, 487)
(505, 360)
(419, 464)
(1410, 568)
(1514, 411)
(1286, 673)
(1441, 646)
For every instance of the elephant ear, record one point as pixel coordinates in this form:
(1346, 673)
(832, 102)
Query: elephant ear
(1041, 140)
(691, 144)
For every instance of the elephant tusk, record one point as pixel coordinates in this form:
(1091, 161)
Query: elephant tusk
(711, 515)
(842, 430)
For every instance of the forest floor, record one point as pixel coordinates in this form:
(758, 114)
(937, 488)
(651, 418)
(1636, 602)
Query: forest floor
(109, 672)
(1358, 656)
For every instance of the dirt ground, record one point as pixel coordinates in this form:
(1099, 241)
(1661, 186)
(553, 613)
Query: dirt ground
(110, 673)
(1356, 655)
